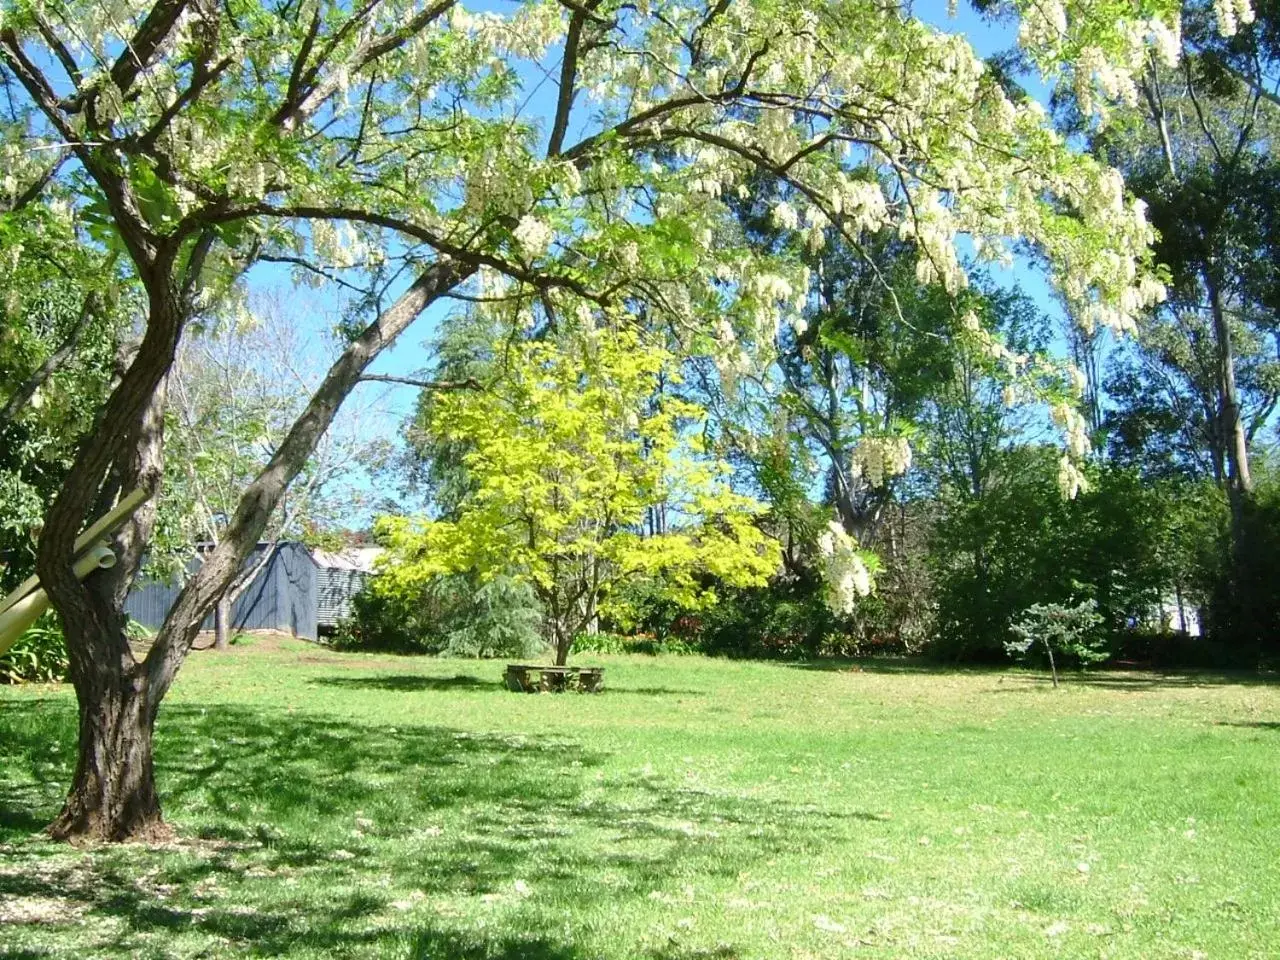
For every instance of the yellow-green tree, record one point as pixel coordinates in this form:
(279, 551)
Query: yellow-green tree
(567, 453)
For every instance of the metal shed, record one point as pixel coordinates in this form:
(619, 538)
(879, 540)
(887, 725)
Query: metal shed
(340, 576)
(283, 596)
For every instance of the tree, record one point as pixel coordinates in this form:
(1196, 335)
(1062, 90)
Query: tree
(846, 380)
(233, 392)
(564, 460)
(388, 147)
(1196, 145)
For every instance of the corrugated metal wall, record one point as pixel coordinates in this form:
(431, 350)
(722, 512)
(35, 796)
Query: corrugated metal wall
(336, 587)
(296, 582)
(281, 597)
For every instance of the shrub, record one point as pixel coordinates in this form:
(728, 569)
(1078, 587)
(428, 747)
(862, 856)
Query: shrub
(1071, 632)
(1021, 543)
(38, 656)
(451, 615)
(604, 641)
(787, 620)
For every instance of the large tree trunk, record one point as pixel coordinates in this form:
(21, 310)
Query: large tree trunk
(113, 796)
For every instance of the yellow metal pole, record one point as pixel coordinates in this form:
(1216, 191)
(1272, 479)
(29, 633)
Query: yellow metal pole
(16, 620)
(104, 525)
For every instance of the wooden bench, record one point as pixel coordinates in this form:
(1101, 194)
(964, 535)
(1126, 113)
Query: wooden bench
(542, 678)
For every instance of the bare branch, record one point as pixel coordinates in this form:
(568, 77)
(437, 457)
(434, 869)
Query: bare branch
(471, 383)
(568, 79)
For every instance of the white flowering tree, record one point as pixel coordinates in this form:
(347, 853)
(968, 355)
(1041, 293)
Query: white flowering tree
(398, 146)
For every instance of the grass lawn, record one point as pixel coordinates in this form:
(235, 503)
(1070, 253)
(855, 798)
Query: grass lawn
(334, 805)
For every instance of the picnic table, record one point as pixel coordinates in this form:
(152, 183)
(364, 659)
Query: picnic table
(544, 678)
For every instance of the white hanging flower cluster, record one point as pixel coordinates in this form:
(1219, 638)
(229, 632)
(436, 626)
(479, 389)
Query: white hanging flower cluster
(861, 204)
(629, 256)
(1104, 54)
(768, 297)
(338, 245)
(784, 216)
(732, 366)
(1074, 427)
(533, 235)
(1231, 14)
(496, 183)
(816, 223)
(934, 230)
(878, 459)
(527, 33)
(1167, 38)
(1076, 378)
(845, 574)
(1071, 479)
(992, 346)
(20, 165)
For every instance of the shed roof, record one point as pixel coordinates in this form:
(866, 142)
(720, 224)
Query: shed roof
(348, 558)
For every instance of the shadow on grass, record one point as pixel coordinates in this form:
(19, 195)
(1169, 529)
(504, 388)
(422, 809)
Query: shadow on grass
(16, 817)
(1119, 679)
(889, 665)
(1252, 724)
(412, 683)
(1137, 681)
(310, 835)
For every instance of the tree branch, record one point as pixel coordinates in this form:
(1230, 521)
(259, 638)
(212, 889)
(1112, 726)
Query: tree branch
(263, 495)
(137, 53)
(309, 95)
(568, 79)
(471, 383)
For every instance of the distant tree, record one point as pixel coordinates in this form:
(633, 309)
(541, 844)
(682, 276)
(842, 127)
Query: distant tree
(234, 391)
(564, 456)
(1069, 630)
(1197, 145)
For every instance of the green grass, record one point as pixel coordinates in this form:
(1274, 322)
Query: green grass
(336, 805)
